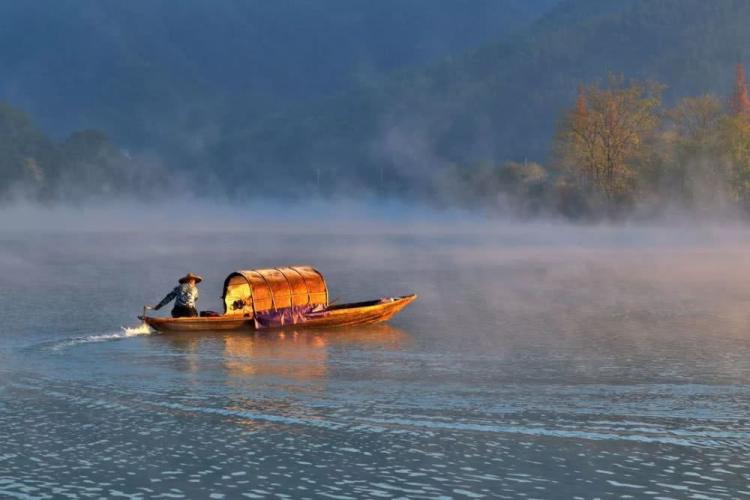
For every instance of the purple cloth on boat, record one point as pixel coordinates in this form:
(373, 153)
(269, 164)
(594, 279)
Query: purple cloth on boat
(283, 317)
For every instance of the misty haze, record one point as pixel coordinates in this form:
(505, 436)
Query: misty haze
(214, 214)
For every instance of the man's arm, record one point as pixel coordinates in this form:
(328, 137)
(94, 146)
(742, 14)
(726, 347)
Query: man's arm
(170, 296)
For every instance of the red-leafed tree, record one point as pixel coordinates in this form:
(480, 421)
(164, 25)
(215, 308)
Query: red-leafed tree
(740, 100)
(581, 104)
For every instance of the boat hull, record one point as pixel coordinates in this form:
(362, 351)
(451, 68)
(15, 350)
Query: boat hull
(361, 313)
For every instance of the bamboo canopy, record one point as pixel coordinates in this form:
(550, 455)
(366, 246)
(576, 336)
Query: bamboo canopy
(260, 290)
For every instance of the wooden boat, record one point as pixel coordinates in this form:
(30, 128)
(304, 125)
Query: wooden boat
(283, 297)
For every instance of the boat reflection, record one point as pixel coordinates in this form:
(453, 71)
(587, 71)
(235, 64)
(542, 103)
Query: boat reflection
(291, 355)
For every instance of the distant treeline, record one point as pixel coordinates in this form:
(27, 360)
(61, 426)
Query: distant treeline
(619, 149)
(253, 99)
(86, 165)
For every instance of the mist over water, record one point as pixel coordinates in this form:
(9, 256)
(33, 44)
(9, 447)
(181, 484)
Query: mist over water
(539, 358)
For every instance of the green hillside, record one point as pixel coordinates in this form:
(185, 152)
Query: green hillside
(498, 103)
(162, 73)
(259, 98)
(85, 165)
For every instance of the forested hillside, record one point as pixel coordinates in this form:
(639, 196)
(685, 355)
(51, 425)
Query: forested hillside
(500, 102)
(85, 165)
(405, 98)
(153, 70)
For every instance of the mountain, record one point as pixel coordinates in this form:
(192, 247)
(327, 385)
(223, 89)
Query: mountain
(500, 102)
(165, 74)
(255, 97)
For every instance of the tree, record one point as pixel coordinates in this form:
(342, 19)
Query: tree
(697, 121)
(582, 140)
(601, 138)
(26, 154)
(692, 162)
(740, 102)
(736, 139)
(736, 143)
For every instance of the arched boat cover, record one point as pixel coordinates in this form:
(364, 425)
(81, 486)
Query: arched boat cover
(261, 290)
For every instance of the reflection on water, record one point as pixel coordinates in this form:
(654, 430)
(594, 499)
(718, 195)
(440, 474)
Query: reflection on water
(287, 355)
(295, 355)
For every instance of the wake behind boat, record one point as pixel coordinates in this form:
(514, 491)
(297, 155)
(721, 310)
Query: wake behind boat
(258, 299)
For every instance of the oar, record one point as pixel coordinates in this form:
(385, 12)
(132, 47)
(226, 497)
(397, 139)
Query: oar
(145, 308)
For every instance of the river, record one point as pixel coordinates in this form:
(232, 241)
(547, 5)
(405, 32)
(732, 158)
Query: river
(540, 361)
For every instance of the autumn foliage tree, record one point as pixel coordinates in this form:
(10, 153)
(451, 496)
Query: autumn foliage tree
(740, 102)
(736, 139)
(692, 167)
(601, 138)
(736, 145)
(618, 147)
(617, 142)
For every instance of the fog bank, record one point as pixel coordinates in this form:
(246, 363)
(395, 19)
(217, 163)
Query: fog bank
(186, 217)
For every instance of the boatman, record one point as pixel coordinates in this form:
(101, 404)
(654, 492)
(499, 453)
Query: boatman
(185, 296)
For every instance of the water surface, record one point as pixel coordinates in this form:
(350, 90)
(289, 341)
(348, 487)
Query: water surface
(538, 362)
